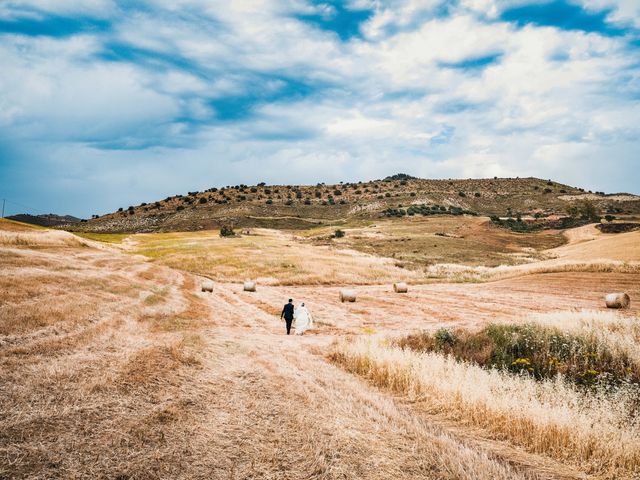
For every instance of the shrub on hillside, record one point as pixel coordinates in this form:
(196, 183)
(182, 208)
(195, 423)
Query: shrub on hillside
(399, 176)
(339, 233)
(227, 231)
(426, 210)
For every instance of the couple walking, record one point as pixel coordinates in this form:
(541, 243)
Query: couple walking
(301, 315)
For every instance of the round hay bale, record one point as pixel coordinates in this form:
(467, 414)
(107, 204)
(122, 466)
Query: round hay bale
(207, 286)
(400, 287)
(347, 295)
(617, 300)
(250, 286)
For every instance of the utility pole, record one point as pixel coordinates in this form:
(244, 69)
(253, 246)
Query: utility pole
(3, 200)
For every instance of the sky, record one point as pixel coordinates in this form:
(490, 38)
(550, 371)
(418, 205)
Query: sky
(109, 103)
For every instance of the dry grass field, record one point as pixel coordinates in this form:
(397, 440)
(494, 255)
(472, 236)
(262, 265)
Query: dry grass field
(113, 363)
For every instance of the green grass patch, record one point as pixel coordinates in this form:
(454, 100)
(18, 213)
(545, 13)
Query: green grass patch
(157, 297)
(530, 349)
(103, 237)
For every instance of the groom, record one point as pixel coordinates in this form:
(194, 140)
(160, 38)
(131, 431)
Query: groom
(287, 313)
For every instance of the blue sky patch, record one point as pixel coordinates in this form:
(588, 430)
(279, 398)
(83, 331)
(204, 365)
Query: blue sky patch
(444, 136)
(473, 63)
(53, 26)
(153, 59)
(333, 16)
(564, 15)
(260, 90)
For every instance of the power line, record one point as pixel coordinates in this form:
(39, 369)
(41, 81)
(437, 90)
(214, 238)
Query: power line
(11, 202)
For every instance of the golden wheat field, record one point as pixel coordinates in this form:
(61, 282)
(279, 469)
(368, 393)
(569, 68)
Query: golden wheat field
(114, 364)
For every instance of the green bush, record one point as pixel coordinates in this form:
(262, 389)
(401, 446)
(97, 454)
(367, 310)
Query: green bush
(531, 349)
(444, 337)
(227, 231)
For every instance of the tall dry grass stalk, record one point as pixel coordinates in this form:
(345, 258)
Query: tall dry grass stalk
(597, 432)
(481, 273)
(619, 334)
(41, 238)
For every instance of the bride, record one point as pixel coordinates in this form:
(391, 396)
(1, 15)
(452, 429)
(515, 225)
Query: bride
(304, 321)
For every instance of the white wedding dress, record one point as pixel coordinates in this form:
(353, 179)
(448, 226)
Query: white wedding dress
(303, 320)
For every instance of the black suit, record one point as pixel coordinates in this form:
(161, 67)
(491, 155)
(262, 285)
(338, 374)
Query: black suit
(287, 313)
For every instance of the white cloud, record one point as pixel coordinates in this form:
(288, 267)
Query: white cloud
(13, 9)
(387, 102)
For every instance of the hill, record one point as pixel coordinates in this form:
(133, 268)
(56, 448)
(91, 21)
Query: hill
(305, 206)
(45, 220)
